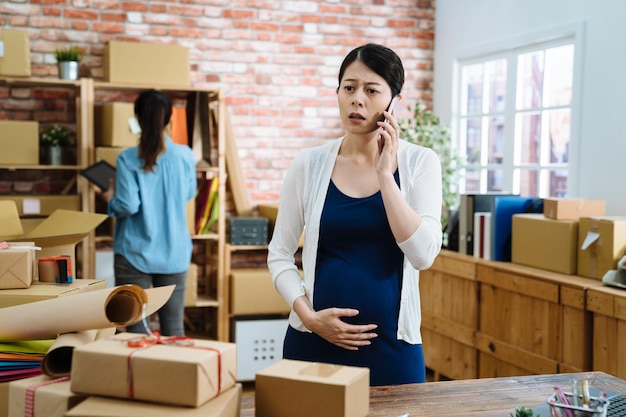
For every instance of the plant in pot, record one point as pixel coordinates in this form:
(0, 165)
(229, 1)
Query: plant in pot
(425, 128)
(68, 60)
(53, 141)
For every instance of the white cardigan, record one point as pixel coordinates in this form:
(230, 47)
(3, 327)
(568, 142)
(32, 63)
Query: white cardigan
(301, 202)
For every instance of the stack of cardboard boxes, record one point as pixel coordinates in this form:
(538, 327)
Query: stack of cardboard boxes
(572, 236)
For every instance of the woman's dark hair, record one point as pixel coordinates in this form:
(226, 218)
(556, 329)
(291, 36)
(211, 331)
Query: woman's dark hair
(380, 59)
(153, 110)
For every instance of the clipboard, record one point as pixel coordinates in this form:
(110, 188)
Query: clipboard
(99, 174)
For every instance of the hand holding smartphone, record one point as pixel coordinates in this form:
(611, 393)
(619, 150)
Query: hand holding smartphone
(390, 108)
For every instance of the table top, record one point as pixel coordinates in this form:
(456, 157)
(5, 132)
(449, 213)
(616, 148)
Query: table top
(487, 397)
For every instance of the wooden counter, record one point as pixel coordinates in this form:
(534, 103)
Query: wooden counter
(489, 397)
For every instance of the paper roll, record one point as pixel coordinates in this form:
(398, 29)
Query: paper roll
(100, 309)
(58, 359)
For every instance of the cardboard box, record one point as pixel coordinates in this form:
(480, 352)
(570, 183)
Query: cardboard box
(40, 291)
(601, 244)
(108, 153)
(191, 289)
(545, 243)
(305, 389)
(19, 141)
(146, 63)
(52, 397)
(43, 205)
(57, 235)
(252, 292)
(572, 208)
(4, 399)
(113, 125)
(17, 266)
(187, 375)
(14, 53)
(227, 404)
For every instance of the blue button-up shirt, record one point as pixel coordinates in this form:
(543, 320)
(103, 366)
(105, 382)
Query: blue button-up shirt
(150, 209)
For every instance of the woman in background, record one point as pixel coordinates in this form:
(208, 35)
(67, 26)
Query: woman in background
(153, 183)
(371, 206)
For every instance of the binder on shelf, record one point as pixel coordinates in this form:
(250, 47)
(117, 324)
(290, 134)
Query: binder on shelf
(209, 207)
(482, 235)
(502, 221)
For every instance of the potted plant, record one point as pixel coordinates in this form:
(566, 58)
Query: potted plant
(53, 140)
(68, 60)
(425, 128)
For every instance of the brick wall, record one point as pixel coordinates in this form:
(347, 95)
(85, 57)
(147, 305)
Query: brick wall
(276, 60)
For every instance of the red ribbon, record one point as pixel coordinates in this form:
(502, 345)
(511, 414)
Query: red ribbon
(29, 400)
(144, 342)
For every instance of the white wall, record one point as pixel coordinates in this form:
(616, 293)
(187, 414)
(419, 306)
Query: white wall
(598, 163)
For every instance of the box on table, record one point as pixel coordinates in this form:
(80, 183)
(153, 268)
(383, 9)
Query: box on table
(19, 141)
(191, 287)
(113, 125)
(108, 153)
(187, 375)
(146, 63)
(17, 266)
(306, 389)
(43, 205)
(248, 230)
(57, 235)
(252, 292)
(40, 291)
(14, 53)
(52, 397)
(227, 404)
(601, 244)
(545, 243)
(572, 208)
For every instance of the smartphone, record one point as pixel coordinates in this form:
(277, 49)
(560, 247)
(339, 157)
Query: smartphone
(390, 108)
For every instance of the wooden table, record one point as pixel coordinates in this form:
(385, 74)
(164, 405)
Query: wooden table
(488, 397)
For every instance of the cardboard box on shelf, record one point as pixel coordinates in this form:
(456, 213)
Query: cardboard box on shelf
(52, 397)
(227, 404)
(294, 388)
(19, 141)
(252, 292)
(191, 289)
(545, 243)
(188, 374)
(40, 291)
(572, 208)
(146, 63)
(108, 153)
(43, 205)
(15, 56)
(601, 244)
(17, 265)
(57, 235)
(114, 125)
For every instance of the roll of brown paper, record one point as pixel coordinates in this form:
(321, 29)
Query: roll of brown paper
(100, 309)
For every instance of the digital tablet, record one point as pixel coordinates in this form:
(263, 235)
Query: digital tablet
(99, 174)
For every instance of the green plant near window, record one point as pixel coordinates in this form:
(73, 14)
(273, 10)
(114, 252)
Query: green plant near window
(425, 128)
(55, 135)
(68, 54)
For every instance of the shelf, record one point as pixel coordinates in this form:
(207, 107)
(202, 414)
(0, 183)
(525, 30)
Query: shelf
(103, 85)
(41, 167)
(204, 301)
(39, 82)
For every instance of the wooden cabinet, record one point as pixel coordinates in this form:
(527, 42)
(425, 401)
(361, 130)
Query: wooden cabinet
(51, 101)
(517, 320)
(608, 306)
(450, 311)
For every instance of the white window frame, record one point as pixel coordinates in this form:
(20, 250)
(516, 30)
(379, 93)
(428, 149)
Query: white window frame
(509, 49)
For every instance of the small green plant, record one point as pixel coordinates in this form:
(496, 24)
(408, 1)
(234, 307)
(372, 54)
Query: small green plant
(425, 128)
(523, 412)
(68, 54)
(55, 135)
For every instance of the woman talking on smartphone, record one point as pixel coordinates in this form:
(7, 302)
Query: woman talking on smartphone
(370, 206)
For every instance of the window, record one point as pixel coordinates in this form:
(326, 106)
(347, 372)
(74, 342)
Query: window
(513, 121)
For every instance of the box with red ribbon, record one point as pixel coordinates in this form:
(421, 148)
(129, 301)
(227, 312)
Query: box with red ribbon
(167, 370)
(41, 396)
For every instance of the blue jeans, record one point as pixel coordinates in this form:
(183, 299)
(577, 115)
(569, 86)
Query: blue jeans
(171, 315)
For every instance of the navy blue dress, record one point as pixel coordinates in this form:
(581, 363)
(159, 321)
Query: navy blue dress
(359, 265)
